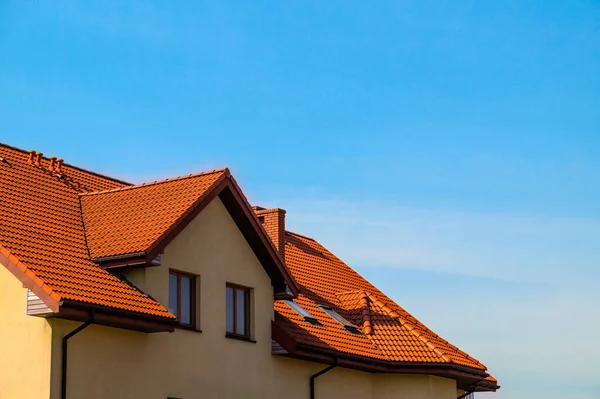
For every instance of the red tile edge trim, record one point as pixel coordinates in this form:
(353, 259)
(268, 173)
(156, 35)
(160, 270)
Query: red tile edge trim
(28, 278)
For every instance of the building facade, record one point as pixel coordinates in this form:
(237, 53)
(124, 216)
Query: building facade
(180, 289)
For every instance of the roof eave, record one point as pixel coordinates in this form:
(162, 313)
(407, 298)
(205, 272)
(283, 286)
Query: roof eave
(117, 318)
(123, 260)
(72, 310)
(467, 378)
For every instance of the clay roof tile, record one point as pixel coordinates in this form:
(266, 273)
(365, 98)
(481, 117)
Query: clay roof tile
(389, 332)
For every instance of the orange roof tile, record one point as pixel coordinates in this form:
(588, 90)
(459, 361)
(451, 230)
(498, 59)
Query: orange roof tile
(55, 221)
(133, 219)
(58, 221)
(42, 229)
(390, 332)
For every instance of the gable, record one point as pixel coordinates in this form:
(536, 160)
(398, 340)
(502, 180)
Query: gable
(132, 220)
(211, 242)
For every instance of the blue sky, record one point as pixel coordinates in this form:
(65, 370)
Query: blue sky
(448, 150)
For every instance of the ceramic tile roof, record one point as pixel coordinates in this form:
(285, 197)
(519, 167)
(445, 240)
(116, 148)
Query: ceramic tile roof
(42, 229)
(390, 333)
(55, 221)
(133, 219)
(59, 222)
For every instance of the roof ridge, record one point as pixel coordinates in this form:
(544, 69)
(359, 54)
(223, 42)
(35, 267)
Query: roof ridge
(365, 310)
(70, 165)
(359, 291)
(410, 326)
(156, 182)
(300, 235)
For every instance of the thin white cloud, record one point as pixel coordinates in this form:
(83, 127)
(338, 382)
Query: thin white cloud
(548, 340)
(538, 343)
(505, 246)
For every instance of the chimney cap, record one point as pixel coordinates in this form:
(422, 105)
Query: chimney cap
(261, 210)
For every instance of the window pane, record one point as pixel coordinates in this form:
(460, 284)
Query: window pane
(230, 303)
(337, 316)
(173, 294)
(298, 309)
(241, 307)
(186, 300)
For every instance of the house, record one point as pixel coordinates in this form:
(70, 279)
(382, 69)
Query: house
(180, 289)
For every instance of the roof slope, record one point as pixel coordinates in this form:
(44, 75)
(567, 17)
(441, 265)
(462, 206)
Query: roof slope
(58, 222)
(41, 226)
(390, 333)
(54, 221)
(133, 219)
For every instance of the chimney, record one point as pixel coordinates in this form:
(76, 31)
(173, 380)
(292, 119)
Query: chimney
(273, 221)
(59, 164)
(31, 156)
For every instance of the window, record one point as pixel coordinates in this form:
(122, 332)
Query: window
(182, 297)
(238, 311)
(300, 310)
(337, 317)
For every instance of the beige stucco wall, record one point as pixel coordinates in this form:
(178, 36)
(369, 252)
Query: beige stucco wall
(24, 344)
(111, 363)
(393, 386)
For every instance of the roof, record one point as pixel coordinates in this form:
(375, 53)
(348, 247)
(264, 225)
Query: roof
(133, 219)
(57, 221)
(42, 229)
(389, 333)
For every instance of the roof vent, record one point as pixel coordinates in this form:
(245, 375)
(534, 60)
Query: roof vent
(54, 166)
(58, 166)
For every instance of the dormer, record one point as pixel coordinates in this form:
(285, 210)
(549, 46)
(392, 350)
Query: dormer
(130, 227)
